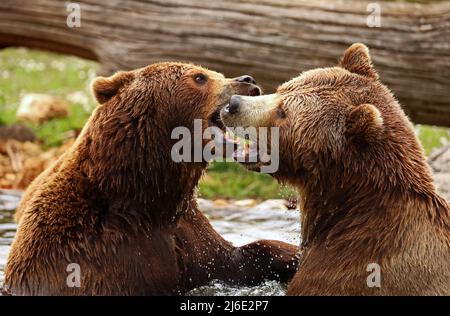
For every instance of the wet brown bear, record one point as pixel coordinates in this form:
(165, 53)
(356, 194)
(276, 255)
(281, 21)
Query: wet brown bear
(372, 222)
(118, 206)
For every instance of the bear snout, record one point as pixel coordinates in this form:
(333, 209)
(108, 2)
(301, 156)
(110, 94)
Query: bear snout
(247, 79)
(246, 85)
(234, 105)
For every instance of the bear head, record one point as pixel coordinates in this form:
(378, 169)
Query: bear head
(125, 148)
(338, 126)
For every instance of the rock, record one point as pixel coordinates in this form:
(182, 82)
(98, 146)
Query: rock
(440, 159)
(245, 203)
(275, 204)
(442, 181)
(291, 203)
(440, 163)
(38, 108)
(17, 132)
(221, 203)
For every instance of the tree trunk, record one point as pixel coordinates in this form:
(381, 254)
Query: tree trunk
(273, 40)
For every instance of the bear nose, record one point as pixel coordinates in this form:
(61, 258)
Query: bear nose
(233, 106)
(246, 78)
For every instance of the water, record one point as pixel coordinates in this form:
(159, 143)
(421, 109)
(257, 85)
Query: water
(240, 222)
(8, 203)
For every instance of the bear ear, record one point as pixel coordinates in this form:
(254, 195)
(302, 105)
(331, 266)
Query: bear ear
(104, 88)
(356, 59)
(364, 124)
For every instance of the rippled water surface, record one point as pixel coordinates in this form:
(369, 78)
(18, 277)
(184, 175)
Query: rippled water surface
(8, 203)
(239, 222)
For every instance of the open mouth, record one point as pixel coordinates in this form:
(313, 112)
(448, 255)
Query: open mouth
(246, 151)
(242, 147)
(253, 147)
(215, 121)
(221, 135)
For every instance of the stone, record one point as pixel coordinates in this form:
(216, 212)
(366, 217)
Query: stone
(39, 108)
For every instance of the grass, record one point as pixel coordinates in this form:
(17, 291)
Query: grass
(432, 137)
(231, 180)
(30, 71)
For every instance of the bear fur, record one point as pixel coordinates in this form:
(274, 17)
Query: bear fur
(120, 208)
(372, 222)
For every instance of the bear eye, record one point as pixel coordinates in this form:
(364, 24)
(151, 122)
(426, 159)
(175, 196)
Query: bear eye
(200, 79)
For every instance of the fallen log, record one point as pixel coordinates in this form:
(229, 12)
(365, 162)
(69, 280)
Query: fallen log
(271, 39)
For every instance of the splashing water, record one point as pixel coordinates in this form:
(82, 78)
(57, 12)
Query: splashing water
(240, 222)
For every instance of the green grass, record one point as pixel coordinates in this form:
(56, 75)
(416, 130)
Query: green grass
(30, 71)
(432, 137)
(231, 180)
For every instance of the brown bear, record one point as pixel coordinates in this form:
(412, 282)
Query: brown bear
(372, 222)
(118, 213)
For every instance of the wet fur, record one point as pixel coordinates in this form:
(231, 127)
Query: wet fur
(116, 203)
(366, 191)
